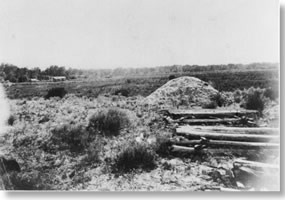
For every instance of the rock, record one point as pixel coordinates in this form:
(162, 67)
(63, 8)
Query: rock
(181, 91)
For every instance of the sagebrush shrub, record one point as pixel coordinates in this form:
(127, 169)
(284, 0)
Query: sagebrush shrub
(56, 92)
(11, 120)
(162, 144)
(135, 156)
(219, 99)
(93, 152)
(73, 137)
(123, 92)
(254, 99)
(237, 96)
(108, 122)
(171, 77)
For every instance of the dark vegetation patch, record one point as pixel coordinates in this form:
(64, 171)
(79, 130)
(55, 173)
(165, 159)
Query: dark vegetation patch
(11, 120)
(70, 136)
(56, 92)
(219, 99)
(123, 92)
(108, 122)
(162, 144)
(171, 77)
(254, 99)
(135, 156)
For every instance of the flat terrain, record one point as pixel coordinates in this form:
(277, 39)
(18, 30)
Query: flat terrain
(225, 80)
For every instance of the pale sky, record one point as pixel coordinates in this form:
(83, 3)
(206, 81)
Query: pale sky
(137, 33)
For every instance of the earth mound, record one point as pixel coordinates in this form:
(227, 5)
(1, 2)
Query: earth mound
(183, 91)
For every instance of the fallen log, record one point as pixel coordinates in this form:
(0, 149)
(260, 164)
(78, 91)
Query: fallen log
(230, 130)
(206, 113)
(224, 136)
(210, 121)
(227, 144)
(191, 150)
(255, 164)
(182, 149)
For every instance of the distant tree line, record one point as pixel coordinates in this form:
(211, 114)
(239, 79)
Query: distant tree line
(13, 73)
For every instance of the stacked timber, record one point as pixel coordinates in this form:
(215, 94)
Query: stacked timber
(219, 139)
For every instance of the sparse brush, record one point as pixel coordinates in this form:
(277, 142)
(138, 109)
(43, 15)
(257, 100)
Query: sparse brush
(93, 152)
(75, 137)
(135, 156)
(108, 122)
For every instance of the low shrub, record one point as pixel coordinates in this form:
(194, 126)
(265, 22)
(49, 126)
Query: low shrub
(123, 92)
(56, 92)
(135, 156)
(108, 122)
(237, 96)
(11, 120)
(219, 99)
(73, 137)
(210, 105)
(171, 77)
(254, 99)
(93, 152)
(162, 144)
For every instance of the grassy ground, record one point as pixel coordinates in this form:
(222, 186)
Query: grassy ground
(48, 162)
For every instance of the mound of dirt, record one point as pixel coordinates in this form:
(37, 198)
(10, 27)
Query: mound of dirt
(183, 91)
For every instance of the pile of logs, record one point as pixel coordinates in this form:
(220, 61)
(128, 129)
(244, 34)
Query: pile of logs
(201, 131)
(217, 139)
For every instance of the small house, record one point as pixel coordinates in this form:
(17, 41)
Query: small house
(59, 78)
(34, 80)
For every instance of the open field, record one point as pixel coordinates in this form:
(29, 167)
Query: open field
(145, 85)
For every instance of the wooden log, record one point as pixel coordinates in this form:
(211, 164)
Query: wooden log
(191, 150)
(210, 121)
(206, 113)
(182, 149)
(255, 164)
(230, 130)
(228, 144)
(224, 136)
